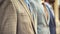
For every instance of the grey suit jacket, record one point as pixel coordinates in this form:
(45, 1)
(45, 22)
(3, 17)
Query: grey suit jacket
(43, 24)
(15, 18)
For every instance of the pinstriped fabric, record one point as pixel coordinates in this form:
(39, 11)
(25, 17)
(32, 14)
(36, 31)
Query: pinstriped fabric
(8, 18)
(14, 21)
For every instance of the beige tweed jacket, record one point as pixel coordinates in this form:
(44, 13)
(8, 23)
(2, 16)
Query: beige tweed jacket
(15, 18)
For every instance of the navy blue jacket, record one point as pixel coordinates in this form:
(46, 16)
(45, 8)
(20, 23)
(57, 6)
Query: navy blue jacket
(52, 24)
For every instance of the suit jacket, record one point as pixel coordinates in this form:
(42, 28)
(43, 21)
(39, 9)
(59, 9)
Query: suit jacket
(15, 18)
(42, 23)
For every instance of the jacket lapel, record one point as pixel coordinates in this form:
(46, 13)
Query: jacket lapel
(16, 3)
(46, 20)
(29, 14)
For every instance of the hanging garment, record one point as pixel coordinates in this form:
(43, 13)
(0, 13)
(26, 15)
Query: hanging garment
(15, 18)
(42, 27)
(52, 24)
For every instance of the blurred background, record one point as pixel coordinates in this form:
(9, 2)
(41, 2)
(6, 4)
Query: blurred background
(57, 15)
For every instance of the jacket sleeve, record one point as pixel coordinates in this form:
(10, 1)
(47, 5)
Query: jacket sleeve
(8, 17)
